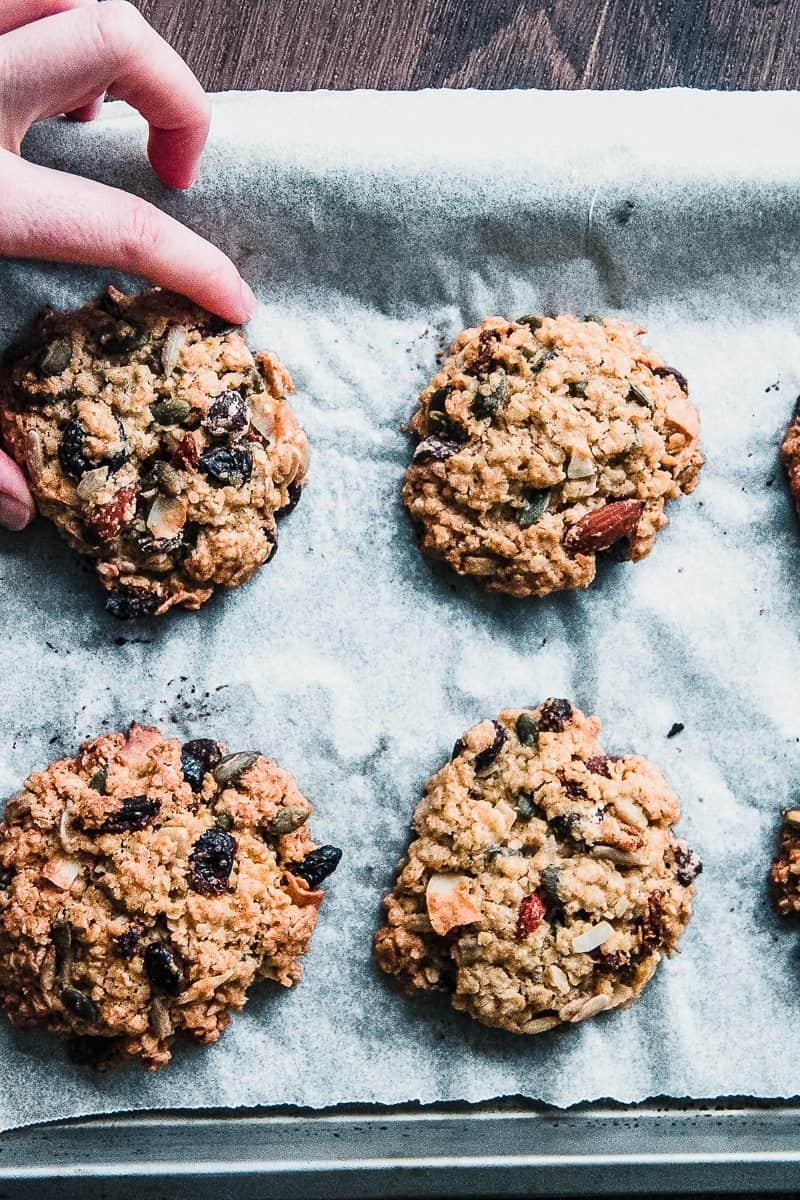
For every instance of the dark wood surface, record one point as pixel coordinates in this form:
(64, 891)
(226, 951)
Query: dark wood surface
(300, 44)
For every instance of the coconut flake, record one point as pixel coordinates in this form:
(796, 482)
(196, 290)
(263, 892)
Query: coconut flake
(590, 939)
(167, 517)
(92, 483)
(581, 465)
(171, 350)
(450, 902)
(61, 872)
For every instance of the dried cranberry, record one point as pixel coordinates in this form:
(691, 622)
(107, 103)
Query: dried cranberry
(610, 963)
(573, 789)
(555, 715)
(598, 765)
(129, 942)
(485, 354)
(485, 758)
(105, 521)
(211, 862)
(227, 415)
(162, 970)
(676, 375)
(74, 462)
(687, 865)
(198, 757)
(317, 865)
(532, 912)
(653, 926)
(294, 492)
(130, 602)
(186, 456)
(227, 466)
(134, 813)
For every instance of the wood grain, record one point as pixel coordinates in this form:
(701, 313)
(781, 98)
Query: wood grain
(301, 44)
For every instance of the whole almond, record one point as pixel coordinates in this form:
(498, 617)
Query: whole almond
(604, 526)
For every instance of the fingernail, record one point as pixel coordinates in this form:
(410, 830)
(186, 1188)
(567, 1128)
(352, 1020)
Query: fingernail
(14, 514)
(249, 300)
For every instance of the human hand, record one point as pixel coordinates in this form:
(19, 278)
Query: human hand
(65, 56)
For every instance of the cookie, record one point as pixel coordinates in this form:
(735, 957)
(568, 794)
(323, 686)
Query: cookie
(542, 443)
(790, 455)
(156, 443)
(544, 884)
(145, 886)
(785, 872)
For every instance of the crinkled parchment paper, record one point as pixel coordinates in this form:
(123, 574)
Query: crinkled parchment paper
(375, 227)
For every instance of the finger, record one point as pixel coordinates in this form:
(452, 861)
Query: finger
(48, 214)
(16, 504)
(64, 62)
(14, 13)
(87, 112)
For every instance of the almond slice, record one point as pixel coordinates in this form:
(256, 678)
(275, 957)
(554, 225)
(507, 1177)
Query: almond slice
(61, 872)
(590, 939)
(450, 902)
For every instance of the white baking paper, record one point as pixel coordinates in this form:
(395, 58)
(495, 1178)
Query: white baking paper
(374, 228)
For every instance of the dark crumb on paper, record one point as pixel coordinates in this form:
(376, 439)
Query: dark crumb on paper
(675, 729)
(773, 387)
(770, 481)
(624, 213)
(133, 641)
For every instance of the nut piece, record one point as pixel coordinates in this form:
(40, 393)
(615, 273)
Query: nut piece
(61, 872)
(450, 902)
(604, 526)
(590, 939)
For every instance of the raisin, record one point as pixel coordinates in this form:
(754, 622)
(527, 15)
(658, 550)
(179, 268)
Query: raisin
(434, 449)
(162, 970)
(135, 812)
(74, 461)
(484, 359)
(317, 865)
(610, 963)
(186, 456)
(211, 862)
(129, 943)
(79, 1004)
(653, 927)
(573, 788)
(130, 602)
(88, 1051)
(485, 758)
(198, 757)
(679, 378)
(227, 466)
(555, 715)
(527, 729)
(687, 865)
(227, 416)
(530, 916)
(294, 492)
(563, 826)
(6, 878)
(598, 765)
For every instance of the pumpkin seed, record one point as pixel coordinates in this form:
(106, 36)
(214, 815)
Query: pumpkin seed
(167, 478)
(286, 820)
(527, 728)
(638, 395)
(525, 806)
(55, 357)
(533, 319)
(231, 768)
(537, 356)
(550, 878)
(224, 821)
(536, 507)
(487, 405)
(170, 412)
(79, 1004)
(99, 780)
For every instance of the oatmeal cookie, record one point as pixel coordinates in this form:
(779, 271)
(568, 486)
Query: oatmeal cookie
(790, 455)
(785, 872)
(156, 443)
(145, 885)
(543, 442)
(544, 884)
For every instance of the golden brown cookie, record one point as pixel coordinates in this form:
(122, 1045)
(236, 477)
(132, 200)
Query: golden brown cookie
(785, 872)
(543, 442)
(145, 886)
(544, 883)
(156, 443)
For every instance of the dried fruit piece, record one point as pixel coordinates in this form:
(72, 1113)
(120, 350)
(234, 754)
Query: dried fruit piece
(484, 359)
(484, 758)
(486, 404)
(228, 416)
(611, 963)
(679, 378)
(653, 926)
(122, 338)
(227, 466)
(71, 451)
(687, 864)
(128, 603)
(434, 449)
(604, 526)
(106, 521)
(162, 970)
(317, 865)
(129, 943)
(232, 767)
(135, 812)
(211, 862)
(598, 765)
(186, 456)
(451, 901)
(197, 758)
(531, 913)
(554, 715)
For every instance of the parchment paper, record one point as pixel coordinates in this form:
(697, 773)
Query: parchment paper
(374, 227)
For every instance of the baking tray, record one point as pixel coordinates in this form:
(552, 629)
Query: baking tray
(507, 1148)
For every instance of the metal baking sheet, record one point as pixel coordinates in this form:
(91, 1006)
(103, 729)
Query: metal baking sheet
(503, 1149)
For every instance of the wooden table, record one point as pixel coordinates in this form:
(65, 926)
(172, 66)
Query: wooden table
(299, 44)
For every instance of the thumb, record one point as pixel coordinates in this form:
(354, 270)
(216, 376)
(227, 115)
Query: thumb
(16, 503)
